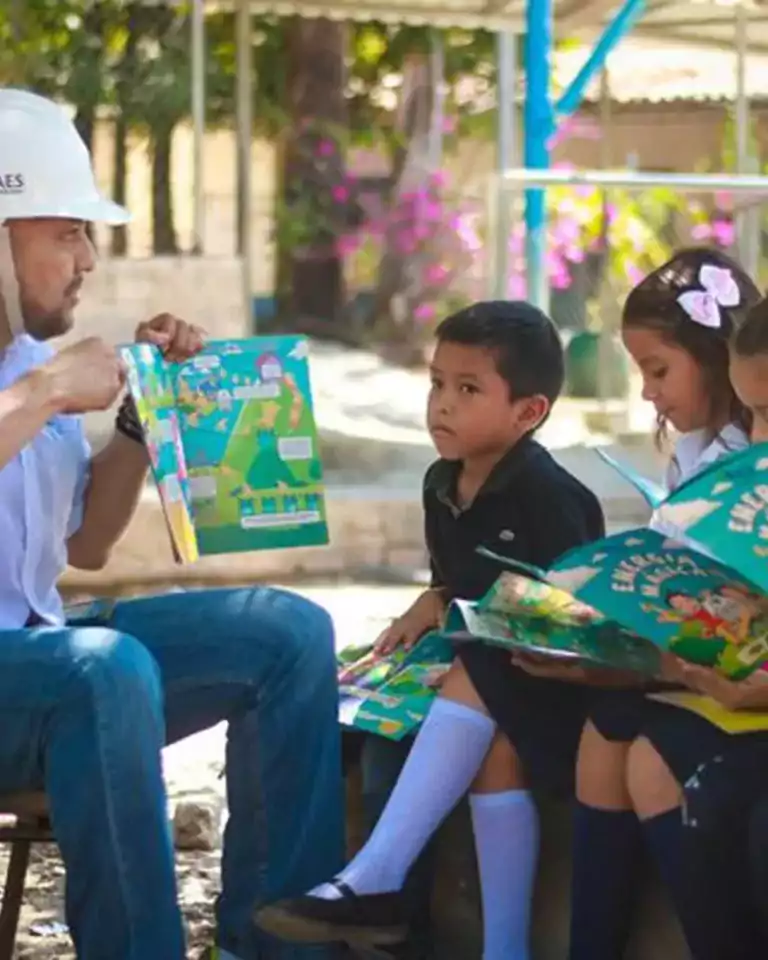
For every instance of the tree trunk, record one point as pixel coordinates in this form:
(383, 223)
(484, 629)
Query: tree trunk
(310, 273)
(120, 183)
(163, 232)
(411, 169)
(126, 77)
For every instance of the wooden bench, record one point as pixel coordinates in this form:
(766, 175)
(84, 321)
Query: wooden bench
(23, 821)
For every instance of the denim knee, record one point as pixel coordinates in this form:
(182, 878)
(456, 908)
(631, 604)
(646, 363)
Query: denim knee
(116, 670)
(307, 637)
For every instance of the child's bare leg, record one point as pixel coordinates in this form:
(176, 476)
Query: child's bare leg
(442, 763)
(652, 787)
(606, 846)
(501, 769)
(506, 828)
(458, 687)
(601, 771)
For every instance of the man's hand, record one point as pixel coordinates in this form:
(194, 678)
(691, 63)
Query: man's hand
(177, 339)
(425, 614)
(89, 375)
(748, 694)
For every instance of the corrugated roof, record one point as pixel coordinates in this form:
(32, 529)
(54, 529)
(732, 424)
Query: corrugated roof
(693, 21)
(643, 70)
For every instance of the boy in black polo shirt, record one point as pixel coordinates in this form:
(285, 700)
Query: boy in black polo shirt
(497, 370)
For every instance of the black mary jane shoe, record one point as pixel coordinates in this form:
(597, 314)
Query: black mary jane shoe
(363, 921)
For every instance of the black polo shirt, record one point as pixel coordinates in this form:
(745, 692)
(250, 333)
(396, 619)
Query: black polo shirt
(530, 509)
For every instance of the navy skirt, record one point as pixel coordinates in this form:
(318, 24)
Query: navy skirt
(543, 719)
(719, 772)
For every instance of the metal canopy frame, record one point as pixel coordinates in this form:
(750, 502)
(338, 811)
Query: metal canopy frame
(695, 22)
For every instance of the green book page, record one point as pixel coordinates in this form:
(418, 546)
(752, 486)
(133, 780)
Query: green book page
(390, 696)
(526, 615)
(251, 446)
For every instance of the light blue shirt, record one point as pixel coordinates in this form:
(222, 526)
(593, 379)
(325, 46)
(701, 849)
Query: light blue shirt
(41, 502)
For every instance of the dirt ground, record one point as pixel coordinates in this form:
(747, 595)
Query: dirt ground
(192, 771)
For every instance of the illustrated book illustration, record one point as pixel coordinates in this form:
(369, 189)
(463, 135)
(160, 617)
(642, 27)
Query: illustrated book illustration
(233, 444)
(391, 695)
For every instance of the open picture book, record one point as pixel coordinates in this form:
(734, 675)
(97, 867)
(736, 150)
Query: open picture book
(621, 601)
(233, 444)
(390, 696)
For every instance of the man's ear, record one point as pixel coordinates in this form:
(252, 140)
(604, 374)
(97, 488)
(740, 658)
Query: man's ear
(533, 411)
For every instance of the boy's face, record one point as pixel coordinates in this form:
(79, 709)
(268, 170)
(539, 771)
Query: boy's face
(749, 378)
(469, 413)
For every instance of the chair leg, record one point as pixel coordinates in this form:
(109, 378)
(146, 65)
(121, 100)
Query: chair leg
(13, 896)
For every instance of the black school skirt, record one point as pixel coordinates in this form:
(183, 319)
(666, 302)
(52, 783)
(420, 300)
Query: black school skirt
(543, 719)
(720, 773)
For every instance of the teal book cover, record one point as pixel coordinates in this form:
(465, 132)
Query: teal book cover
(233, 444)
(682, 600)
(725, 508)
(652, 492)
(391, 695)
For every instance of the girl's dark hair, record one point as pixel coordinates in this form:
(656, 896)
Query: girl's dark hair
(750, 339)
(653, 305)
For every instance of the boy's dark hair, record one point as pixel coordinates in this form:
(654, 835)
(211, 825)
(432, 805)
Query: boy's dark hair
(750, 338)
(523, 340)
(653, 304)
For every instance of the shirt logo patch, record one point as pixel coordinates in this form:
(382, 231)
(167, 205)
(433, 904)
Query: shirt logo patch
(507, 535)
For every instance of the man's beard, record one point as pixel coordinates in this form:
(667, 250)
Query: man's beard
(42, 324)
(47, 326)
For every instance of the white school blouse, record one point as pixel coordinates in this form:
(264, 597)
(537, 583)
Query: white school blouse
(42, 492)
(693, 452)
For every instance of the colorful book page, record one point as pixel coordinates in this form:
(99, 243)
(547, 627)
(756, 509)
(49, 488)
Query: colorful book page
(534, 617)
(150, 382)
(251, 445)
(390, 696)
(233, 444)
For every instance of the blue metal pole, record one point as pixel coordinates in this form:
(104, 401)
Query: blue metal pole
(506, 157)
(617, 29)
(538, 125)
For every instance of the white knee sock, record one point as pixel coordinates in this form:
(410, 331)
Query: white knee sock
(506, 829)
(440, 768)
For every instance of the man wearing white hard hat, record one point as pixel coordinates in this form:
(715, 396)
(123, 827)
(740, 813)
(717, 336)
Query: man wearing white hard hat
(86, 708)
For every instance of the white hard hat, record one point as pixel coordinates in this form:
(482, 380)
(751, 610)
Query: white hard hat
(45, 169)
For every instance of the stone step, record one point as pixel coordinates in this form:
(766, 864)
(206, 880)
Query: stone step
(375, 532)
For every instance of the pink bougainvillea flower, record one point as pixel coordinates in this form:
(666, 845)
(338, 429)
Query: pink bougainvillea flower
(723, 232)
(425, 312)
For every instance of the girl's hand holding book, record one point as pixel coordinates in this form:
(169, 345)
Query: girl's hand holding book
(748, 694)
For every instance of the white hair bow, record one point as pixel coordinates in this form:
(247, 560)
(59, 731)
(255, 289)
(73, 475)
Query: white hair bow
(719, 290)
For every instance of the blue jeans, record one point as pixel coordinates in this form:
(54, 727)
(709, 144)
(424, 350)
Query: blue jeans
(85, 711)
